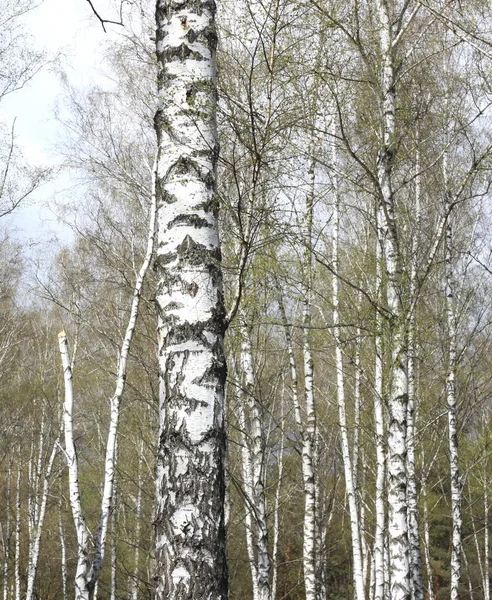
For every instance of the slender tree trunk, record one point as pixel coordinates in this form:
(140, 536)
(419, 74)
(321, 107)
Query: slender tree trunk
(8, 533)
(276, 509)
(87, 573)
(486, 590)
(111, 443)
(309, 438)
(451, 403)
(413, 527)
(399, 569)
(190, 532)
(18, 507)
(254, 448)
(470, 583)
(247, 468)
(82, 574)
(358, 574)
(38, 525)
(309, 537)
(379, 534)
(428, 566)
(114, 550)
(138, 518)
(63, 547)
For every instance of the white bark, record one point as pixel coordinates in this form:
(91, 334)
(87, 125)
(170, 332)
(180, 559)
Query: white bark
(486, 589)
(111, 443)
(379, 534)
(253, 472)
(258, 467)
(88, 572)
(358, 572)
(63, 548)
(413, 528)
(309, 437)
(190, 533)
(138, 524)
(247, 469)
(451, 402)
(18, 507)
(114, 551)
(428, 567)
(399, 568)
(309, 538)
(83, 563)
(35, 541)
(276, 509)
(8, 533)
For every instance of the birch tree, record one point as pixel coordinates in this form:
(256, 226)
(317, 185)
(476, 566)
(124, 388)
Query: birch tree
(190, 534)
(88, 571)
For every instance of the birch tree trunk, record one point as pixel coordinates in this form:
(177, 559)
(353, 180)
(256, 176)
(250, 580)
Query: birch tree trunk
(253, 471)
(111, 443)
(138, 517)
(276, 509)
(451, 401)
(18, 507)
(63, 549)
(309, 432)
(358, 572)
(8, 533)
(413, 528)
(35, 543)
(379, 534)
(83, 563)
(88, 571)
(486, 590)
(247, 468)
(190, 533)
(399, 571)
(428, 566)
(308, 555)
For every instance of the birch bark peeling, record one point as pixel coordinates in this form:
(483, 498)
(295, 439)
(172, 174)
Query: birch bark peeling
(190, 532)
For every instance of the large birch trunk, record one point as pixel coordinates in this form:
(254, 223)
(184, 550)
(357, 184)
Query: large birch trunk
(190, 533)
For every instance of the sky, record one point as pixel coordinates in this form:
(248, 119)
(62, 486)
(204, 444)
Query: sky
(73, 39)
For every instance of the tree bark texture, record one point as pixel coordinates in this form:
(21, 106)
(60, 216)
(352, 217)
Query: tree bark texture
(190, 533)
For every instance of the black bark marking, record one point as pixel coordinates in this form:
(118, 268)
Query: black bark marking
(190, 219)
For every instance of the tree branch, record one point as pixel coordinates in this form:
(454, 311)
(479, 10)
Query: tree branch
(104, 21)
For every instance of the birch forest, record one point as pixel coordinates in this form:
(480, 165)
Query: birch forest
(260, 366)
